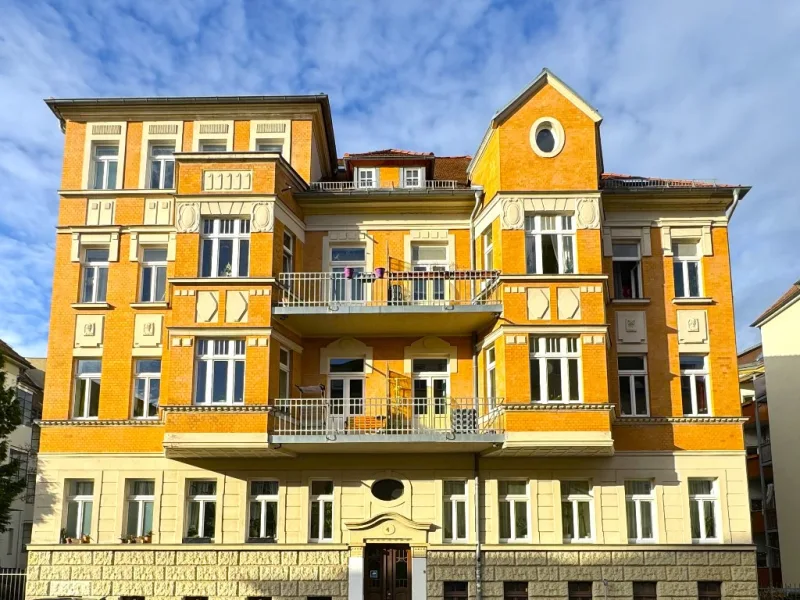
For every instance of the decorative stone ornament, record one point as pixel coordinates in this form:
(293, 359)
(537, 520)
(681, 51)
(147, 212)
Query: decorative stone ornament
(261, 216)
(189, 217)
(513, 214)
(587, 213)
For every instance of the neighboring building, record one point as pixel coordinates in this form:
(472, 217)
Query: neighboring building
(319, 378)
(780, 332)
(23, 444)
(763, 511)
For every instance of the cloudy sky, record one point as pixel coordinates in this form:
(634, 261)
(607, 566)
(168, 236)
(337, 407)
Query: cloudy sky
(688, 89)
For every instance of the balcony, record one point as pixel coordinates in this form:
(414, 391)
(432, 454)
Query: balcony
(386, 424)
(449, 302)
(352, 186)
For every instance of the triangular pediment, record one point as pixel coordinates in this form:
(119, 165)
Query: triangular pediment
(382, 518)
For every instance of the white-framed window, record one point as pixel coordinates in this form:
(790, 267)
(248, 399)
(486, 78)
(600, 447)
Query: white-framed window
(576, 511)
(263, 523)
(321, 511)
(555, 369)
(288, 252)
(225, 247)
(201, 509)
(213, 146)
(455, 511)
(270, 145)
(413, 177)
(513, 497)
(141, 496)
(627, 270)
(694, 385)
(488, 249)
(704, 510)
(87, 388)
(633, 389)
(640, 503)
(219, 376)
(686, 269)
(549, 244)
(352, 289)
(80, 499)
(491, 376)
(154, 275)
(366, 177)
(27, 533)
(95, 275)
(429, 258)
(346, 385)
(161, 166)
(146, 388)
(430, 381)
(284, 373)
(105, 162)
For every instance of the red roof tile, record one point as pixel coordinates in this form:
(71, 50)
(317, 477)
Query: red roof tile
(790, 294)
(451, 168)
(387, 152)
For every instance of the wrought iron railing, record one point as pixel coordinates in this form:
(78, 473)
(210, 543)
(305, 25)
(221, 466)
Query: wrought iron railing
(12, 584)
(406, 288)
(386, 416)
(346, 186)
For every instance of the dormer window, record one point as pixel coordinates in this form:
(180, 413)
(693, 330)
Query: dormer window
(413, 177)
(367, 178)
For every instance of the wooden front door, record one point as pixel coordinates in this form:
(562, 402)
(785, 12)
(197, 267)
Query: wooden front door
(387, 573)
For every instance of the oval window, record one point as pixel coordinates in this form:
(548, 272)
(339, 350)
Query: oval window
(545, 139)
(388, 489)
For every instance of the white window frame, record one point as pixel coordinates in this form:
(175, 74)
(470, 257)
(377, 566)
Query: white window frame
(209, 351)
(10, 539)
(560, 225)
(638, 501)
(82, 500)
(511, 500)
(491, 376)
(638, 293)
(693, 374)
(92, 376)
(488, 250)
(158, 267)
(288, 252)
(105, 161)
(285, 370)
(417, 173)
(269, 142)
(450, 504)
(702, 500)
(148, 379)
(141, 500)
(163, 159)
(631, 374)
(204, 144)
(238, 232)
(565, 349)
(263, 500)
(348, 291)
(359, 181)
(575, 500)
(96, 266)
(683, 261)
(322, 499)
(203, 500)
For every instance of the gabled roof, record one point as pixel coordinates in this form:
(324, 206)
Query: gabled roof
(542, 79)
(388, 153)
(8, 353)
(791, 295)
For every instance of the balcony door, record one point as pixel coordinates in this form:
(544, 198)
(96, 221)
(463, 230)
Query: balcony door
(348, 283)
(431, 389)
(346, 384)
(427, 258)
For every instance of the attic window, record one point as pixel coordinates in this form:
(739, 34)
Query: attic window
(547, 137)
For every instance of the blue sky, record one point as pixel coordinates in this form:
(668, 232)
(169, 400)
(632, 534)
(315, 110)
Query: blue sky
(687, 89)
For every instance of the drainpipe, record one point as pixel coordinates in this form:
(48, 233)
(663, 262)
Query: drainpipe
(762, 478)
(477, 503)
(734, 204)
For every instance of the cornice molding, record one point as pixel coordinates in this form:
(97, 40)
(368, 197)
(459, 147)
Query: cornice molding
(196, 408)
(99, 422)
(553, 406)
(661, 420)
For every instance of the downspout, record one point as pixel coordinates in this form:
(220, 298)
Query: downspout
(477, 503)
(762, 478)
(734, 204)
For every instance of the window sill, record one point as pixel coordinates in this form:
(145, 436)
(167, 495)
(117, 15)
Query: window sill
(120, 192)
(221, 280)
(640, 301)
(151, 305)
(198, 540)
(91, 305)
(647, 416)
(702, 300)
(262, 541)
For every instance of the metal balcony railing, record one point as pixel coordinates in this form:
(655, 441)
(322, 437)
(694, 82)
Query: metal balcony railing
(346, 186)
(386, 416)
(405, 288)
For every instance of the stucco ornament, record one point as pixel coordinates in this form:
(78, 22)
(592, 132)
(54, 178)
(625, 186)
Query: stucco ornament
(261, 216)
(513, 214)
(588, 213)
(189, 217)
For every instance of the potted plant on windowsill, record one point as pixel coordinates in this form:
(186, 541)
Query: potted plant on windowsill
(85, 539)
(62, 538)
(147, 538)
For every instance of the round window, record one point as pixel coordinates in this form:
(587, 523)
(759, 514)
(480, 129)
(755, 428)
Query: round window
(545, 139)
(388, 489)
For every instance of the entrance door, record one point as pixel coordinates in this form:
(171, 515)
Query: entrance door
(431, 383)
(387, 573)
(428, 289)
(346, 400)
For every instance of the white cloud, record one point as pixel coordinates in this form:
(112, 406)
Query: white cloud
(687, 89)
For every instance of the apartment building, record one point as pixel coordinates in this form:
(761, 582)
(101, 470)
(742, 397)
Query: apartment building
(23, 444)
(776, 388)
(278, 373)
